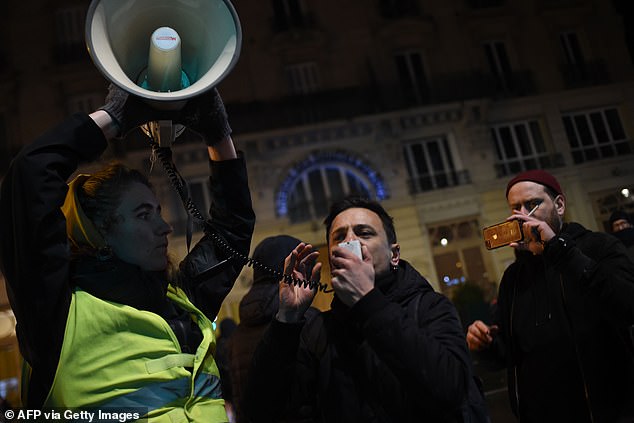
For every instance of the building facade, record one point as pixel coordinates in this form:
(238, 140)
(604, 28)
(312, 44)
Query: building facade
(429, 106)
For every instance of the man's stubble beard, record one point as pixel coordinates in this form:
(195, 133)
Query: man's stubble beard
(555, 221)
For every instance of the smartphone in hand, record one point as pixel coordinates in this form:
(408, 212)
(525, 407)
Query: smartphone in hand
(502, 234)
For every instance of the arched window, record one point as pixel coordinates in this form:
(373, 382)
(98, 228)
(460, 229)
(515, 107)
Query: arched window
(323, 178)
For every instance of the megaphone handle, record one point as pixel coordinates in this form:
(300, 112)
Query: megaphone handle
(161, 131)
(165, 133)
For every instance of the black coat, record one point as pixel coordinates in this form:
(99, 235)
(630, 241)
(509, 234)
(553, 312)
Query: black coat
(35, 253)
(564, 322)
(374, 362)
(626, 236)
(257, 309)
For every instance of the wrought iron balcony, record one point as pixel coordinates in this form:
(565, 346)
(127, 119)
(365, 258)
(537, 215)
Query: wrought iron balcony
(394, 9)
(485, 4)
(369, 99)
(305, 109)
(71, 53)
(438, 180)
(282, 23)
(545, 161)
(585, 74)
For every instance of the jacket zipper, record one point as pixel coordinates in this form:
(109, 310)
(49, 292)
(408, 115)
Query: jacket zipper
(572, 333)
(515, 381)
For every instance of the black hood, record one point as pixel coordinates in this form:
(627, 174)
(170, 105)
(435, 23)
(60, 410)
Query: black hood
(272, 252)
(259, 305)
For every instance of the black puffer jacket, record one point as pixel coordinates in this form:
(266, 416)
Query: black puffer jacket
(374, 362)
(564, 322)
(35, 254)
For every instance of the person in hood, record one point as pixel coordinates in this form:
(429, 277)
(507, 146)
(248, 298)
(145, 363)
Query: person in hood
(565, 308)
(105, 320)
(390, 349)
(622, 228)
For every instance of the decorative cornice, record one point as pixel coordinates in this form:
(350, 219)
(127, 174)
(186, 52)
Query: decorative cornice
(318, 135)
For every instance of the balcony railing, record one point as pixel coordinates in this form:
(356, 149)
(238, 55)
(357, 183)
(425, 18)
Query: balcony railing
(355, 101)
(438, 180)
(585, 74)
(71, 53)
(394, 9)
(545, 161)
(286, 23)
(602, 151)
(485, 4)
(4, 61)
(306, 109)
(554, 4)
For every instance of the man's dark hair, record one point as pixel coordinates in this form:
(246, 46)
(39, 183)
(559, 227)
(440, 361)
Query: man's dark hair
(362, 203)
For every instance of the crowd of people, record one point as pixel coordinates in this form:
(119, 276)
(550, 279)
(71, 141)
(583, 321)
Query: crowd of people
(107, 320)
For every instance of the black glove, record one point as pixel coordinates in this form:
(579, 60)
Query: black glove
(206, 115)
(129, 111)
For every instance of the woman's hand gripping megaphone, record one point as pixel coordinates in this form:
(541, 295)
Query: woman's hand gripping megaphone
(204, 114)
(129, 111)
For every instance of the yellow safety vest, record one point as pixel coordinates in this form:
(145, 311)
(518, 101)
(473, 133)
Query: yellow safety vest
(117, 359)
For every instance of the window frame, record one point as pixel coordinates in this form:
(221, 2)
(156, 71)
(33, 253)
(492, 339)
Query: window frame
(597, 149)
(504, 161)
(567, 39)
(414, 83)
(303, 78)
(69, 32)
(313, 211)
(451, 163)
(500, 66)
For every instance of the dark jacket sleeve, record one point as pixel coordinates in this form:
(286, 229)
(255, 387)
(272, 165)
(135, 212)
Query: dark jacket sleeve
(272, 373)
(495, 357)
(34, 249)
(430, 355)
(212, 267)
(595, 265)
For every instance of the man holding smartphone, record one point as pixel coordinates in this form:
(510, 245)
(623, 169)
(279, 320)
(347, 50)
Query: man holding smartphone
(564, 311)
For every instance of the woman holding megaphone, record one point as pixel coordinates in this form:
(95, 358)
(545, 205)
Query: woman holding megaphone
(106, 323)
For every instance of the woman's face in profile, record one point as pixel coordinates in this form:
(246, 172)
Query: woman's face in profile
(139, 234)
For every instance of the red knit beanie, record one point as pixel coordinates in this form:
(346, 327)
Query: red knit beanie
(538, 176)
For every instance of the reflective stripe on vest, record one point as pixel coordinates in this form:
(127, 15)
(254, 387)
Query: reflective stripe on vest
(161, 394)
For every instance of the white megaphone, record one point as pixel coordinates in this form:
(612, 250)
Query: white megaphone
(163, 51)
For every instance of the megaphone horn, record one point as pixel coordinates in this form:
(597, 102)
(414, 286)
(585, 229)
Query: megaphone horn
(164, 51)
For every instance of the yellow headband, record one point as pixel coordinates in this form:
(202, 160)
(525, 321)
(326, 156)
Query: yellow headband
(79, 229)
